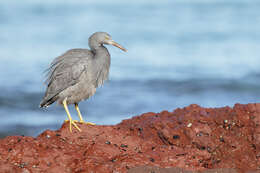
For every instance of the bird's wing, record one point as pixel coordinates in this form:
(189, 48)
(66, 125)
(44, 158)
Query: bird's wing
(65, 70)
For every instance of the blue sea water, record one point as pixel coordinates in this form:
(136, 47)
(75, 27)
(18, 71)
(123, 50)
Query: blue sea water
(179, 52)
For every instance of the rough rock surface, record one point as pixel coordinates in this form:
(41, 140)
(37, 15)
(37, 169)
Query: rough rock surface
(191, 139)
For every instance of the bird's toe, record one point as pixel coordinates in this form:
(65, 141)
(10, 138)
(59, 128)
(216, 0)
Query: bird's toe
(88, 123)
(73, 122)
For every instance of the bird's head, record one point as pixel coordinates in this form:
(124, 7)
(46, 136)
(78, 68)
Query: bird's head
(100, 38)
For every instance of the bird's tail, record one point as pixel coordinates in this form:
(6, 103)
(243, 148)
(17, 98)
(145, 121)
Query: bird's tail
(47, 101)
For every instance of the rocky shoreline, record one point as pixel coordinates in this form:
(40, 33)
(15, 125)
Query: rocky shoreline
(189, 139)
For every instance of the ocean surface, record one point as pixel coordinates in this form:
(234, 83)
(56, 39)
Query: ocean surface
(180, 52)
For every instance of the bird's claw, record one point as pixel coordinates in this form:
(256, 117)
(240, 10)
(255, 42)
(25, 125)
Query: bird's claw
(89, 123)
(73, 122)
(84, 122)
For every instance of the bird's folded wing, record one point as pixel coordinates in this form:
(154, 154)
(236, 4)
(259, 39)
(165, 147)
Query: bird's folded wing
(64, 72)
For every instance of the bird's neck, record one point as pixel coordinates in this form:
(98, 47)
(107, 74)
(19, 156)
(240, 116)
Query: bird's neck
(101, 62)
(101, 57)
(100, 52)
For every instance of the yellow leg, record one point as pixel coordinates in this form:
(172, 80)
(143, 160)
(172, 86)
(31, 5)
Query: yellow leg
(72, 122)
(80, 116)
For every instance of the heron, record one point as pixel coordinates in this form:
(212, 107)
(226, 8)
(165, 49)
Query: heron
(75, 75)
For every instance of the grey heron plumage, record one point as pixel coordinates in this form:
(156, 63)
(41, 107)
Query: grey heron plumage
(75, 75)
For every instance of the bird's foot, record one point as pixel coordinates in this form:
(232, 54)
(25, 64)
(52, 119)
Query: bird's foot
(73, 122)
(89, 123)
(84, 122)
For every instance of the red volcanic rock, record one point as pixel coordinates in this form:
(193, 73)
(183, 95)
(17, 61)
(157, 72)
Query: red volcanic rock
(190, 139)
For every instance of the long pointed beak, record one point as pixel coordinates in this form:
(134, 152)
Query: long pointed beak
(112, 42)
